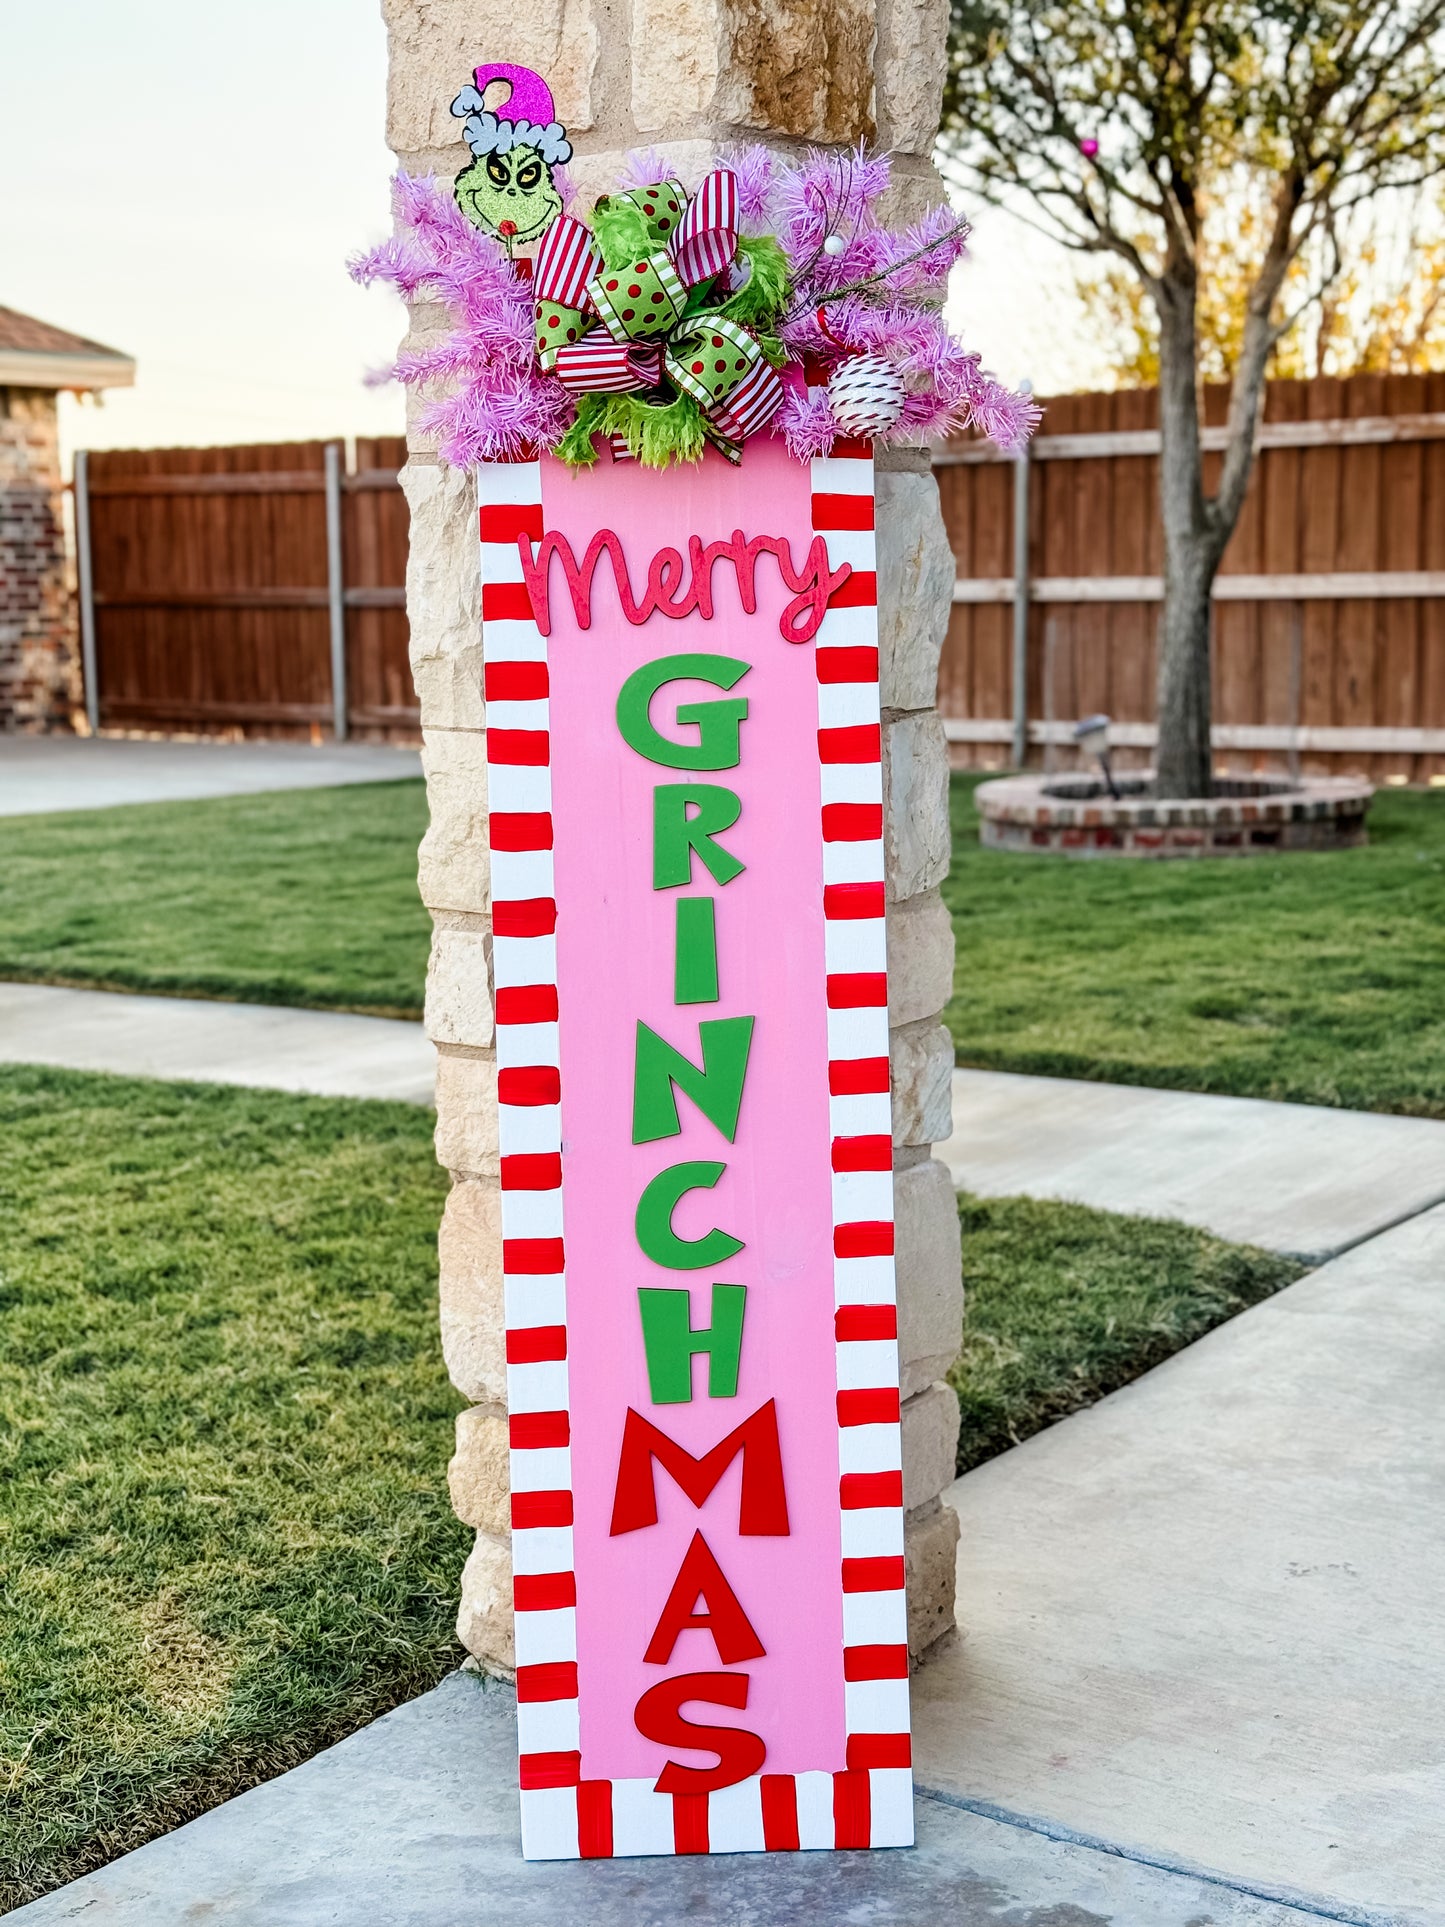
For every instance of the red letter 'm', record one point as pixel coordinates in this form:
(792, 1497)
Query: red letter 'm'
(763, 1505)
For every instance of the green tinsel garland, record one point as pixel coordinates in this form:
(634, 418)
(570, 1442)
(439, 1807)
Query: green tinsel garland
(656, 433)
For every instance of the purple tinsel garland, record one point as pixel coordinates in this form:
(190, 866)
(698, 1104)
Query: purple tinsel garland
(498, 404)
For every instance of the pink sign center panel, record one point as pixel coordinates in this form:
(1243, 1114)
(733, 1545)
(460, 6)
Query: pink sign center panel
(616, 966)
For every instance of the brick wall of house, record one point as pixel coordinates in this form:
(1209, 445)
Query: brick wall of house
(39, 652)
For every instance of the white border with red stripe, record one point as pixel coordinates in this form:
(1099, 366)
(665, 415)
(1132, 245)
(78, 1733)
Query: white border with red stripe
(870, 1802)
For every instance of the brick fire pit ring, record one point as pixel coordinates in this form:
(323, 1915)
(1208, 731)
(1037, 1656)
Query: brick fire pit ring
(1074, 815)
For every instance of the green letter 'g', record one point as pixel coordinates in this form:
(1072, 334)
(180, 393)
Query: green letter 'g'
(718, 723)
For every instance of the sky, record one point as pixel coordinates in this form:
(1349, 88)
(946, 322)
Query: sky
(195, 178)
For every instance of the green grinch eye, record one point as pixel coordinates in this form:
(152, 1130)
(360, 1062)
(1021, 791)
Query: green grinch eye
(497, 171)
(528, 176)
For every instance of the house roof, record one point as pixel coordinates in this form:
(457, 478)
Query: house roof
(33, 354)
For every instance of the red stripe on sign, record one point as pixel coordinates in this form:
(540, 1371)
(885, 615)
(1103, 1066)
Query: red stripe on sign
(550, 1769)
(852, 902)
(533, 1509)
(857, 990)
(543, 1431)
(860, 591)
(505, 521)
(554, 1680)
(536, 1344)
(689, 1823)
(509, 602)
(780, 1812)
(529, 1084)
(850, 1076)
(550, 1592)
(868, 1239)
(861, 1324)
(858, 743)
(873, 1575)
(858, 1154)
(875, 1662)
(879, 1750)
(532, 1257)
(852, 450)
(862, 1491)
(842, 511)
(524, 917)
(515, 682)
(852, 822)
(594, 1819)
(878, 1407)
(531, 1171)
(852, 1810)
(847, 665)
(527, 1004)
(522, 748)
(521, 829)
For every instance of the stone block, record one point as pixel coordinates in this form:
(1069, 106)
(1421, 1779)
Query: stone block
(930, 1555)
(916, 833)
(922, 1076)
(443, 597)
(474, 1341)
(920, 959)
(484, 1623)
(433, 46)
(466, 1096)
(930, 1276)
(930, 1445)
(909, 72)
(459, 989)
(804, 70)
(454, 868)
(477, 1476)
(915, 589)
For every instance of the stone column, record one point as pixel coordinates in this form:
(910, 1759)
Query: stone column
(684, 76)
(39, 664)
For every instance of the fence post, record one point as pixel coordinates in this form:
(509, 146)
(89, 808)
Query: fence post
(85, 587)
(336, 591)
(1021, 603)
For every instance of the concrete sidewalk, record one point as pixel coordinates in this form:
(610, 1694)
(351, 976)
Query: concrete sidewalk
(327, 1052)
(43, 773)
(412, 1823)
(1294, 1178)
(1205, 1619)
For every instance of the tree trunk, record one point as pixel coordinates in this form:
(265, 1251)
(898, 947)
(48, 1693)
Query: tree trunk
(1184, 766)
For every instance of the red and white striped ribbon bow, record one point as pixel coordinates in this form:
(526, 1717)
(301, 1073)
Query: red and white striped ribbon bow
(567, 258)
(707, 235)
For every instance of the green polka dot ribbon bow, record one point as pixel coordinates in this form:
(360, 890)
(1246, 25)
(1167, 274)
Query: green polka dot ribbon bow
(633, 303)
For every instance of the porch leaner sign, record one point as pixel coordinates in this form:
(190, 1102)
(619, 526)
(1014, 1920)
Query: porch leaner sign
(692, 1047)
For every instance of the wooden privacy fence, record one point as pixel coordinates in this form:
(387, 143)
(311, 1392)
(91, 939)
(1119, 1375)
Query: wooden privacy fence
(257, 589)
(1329, 613)
(261, 589)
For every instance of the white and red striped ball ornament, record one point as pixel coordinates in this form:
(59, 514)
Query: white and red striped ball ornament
(865, 395)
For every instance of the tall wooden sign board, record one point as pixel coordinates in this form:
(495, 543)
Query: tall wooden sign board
(696, 1154)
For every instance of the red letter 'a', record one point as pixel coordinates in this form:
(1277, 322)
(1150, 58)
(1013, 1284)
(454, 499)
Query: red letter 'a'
(702, 1577)
(658, 1716)
(763, 1507)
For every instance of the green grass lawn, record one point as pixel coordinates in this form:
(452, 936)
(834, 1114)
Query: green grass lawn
(1305, 977)
(1314, 978)
(297, 897)
(224, 1424)
(1063, 1305)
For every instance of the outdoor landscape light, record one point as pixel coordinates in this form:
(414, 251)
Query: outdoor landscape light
(1092, 737)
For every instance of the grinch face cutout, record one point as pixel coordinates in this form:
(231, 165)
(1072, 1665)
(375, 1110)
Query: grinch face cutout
(507, 190)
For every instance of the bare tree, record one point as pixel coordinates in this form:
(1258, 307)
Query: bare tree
(1106, 119)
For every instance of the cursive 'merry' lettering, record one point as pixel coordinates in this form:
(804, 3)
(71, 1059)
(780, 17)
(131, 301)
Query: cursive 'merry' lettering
(676, 588)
